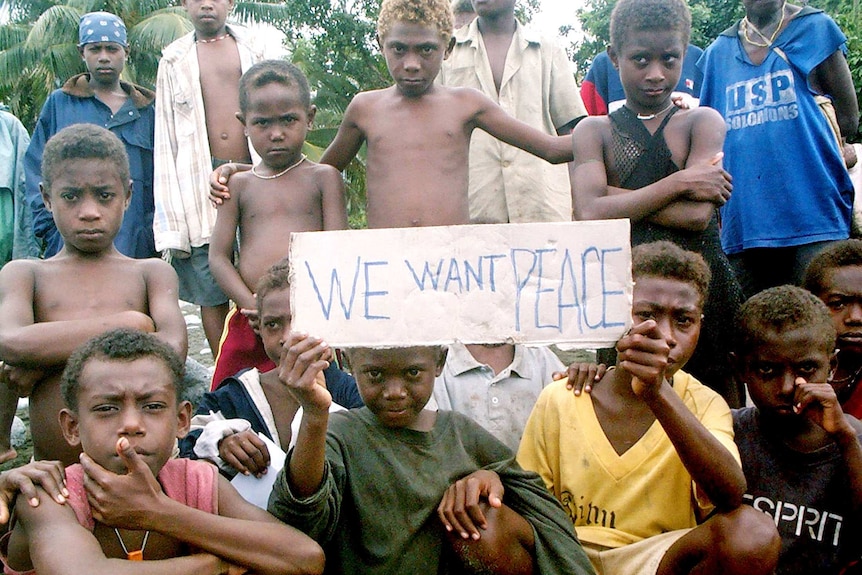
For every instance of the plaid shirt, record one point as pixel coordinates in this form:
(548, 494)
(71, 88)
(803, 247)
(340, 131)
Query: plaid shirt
(184, 216)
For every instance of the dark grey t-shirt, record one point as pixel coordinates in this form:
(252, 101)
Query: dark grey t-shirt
(807, 494)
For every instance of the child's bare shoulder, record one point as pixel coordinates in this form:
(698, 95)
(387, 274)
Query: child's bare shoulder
(700, 117)
(593, 124)
(370, 98)
(322, 171)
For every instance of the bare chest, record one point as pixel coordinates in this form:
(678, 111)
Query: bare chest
(220, 70)
(66, 293)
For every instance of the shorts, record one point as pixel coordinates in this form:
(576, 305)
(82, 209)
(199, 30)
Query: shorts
(197, 285)
(641, 558)
(239, 348)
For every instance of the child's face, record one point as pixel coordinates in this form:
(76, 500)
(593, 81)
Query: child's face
(275, 322)
(676, 306)
(414, 54)
(87, 200)
(396, 383)
(132, 399)
(772, 365)
(650, 64)
(493, 8)
(105, 61)
(208, 16)
(276, 121)
(843, 297)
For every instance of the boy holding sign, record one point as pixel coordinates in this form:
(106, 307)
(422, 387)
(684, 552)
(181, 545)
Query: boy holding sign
(365, 483)
(418, 132)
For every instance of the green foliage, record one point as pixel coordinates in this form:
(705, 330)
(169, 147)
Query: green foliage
(848, 14)
(708, 19)
(38, 47)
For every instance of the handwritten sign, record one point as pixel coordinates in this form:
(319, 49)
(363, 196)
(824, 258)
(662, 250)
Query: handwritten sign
(567, 283)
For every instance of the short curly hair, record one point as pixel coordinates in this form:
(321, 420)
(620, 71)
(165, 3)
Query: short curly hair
(433, 13)
(462, 7)
(276, 278)
(665, 259)
(119, 345)
(83, 142)
(782, 309)
(841, 254)
(655, 15)
(273, 72)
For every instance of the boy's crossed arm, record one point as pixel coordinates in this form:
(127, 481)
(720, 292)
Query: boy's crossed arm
(685, 199)
(643, 354)
(241, 533)
(25, 342)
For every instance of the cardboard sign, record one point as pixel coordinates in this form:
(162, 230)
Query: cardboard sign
(567, 283)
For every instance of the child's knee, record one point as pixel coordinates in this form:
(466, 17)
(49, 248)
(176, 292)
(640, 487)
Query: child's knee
(747, 538)
(504, 548)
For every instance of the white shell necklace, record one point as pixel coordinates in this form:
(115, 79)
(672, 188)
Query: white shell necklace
(651, 116)
(302, 158)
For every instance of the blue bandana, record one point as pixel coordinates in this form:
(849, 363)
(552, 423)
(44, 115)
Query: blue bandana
(101, 27)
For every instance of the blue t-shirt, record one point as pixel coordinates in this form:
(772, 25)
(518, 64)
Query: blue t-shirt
(602, 90)
(790, 184)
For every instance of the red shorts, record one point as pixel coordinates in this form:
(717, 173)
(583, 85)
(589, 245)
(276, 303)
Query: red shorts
(240, 348)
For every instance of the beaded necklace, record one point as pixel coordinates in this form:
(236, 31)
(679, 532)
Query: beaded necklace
(651, 116)
(746, 25)
(302, 158)
(211, 40)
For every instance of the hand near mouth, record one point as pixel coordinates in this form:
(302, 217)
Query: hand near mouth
(125, 501)
(818, 402)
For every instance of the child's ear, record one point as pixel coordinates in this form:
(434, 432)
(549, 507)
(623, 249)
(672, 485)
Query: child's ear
(449, 47)
(312, 112)
(441, 360)
(184, 418)
(46, 196)
(614, 57)
(129, 193)
(69, 425)
(736, 366)
(833, 363)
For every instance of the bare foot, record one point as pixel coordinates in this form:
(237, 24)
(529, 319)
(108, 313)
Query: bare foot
(8, 455)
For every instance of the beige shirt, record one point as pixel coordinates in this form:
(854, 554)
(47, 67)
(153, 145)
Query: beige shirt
(538, 88)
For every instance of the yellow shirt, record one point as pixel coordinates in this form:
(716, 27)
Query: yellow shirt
(615, 500)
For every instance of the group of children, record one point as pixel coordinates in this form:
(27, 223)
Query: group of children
(650, 472)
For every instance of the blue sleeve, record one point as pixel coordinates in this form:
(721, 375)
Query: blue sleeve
(815, 38)
(43, 223)
(342, 387)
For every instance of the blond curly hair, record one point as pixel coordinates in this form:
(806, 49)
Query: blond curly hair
(434, 13)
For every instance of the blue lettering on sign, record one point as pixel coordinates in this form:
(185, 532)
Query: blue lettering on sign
(369, 294)
(334, 282)
(606, 293)
(551, 298)
(519, 283)
(434, 278)
(568, 287)
(472, 274)
(540, 290)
